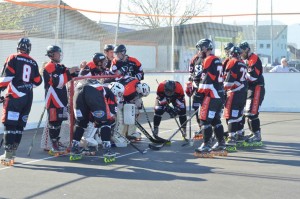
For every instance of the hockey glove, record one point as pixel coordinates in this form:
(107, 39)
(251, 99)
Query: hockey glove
(189, 90)
(171, 111)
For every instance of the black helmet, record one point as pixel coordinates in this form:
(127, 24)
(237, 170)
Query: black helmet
(235, 51)
(204, 43)
(24, 44)
(169, 87)
(52, 49)
(98, 57)
(120, 49)
(244, 45)
(228, 46)
(108, 47)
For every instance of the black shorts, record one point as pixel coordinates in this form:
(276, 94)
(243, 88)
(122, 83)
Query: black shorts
(235, 104)
(16, 110)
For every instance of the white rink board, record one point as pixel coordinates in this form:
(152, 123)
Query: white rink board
(282, 94)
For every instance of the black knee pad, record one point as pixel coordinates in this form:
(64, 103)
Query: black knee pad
(82, 123)
(233, 127)
(182, 119)
(156, 120)
(18, 138)
(206, 130)
(219, 132)
(54, 129)
(254, 122)
(105, 132)
(9, 137)
(78, 133)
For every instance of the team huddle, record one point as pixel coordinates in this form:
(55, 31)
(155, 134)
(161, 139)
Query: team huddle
(112, 106)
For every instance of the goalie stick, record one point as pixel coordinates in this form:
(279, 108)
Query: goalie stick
(158, 147)
(128, 141)
(157, 139)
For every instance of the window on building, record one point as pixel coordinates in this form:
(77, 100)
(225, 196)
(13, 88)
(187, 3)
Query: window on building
(281, 46)
(261, 45)
(268, 45)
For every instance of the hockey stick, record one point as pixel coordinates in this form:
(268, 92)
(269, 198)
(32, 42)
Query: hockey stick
(128, 141)
(182, 133)
(37, 130)
(157, 140)
(191, 140)
(158, 147)
(147, 118)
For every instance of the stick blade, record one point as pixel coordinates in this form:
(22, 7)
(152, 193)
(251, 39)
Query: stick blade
(155, 147)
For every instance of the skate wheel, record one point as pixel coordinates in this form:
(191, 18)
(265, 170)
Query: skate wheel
(93, 153)
(56, 154)
(168, 143)
(50, 152)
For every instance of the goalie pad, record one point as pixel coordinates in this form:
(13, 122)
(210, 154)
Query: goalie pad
(119, 140)
(129, 114)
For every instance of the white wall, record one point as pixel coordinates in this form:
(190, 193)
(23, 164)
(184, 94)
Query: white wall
(282, 93)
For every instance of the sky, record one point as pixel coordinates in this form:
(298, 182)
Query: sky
(214, 7)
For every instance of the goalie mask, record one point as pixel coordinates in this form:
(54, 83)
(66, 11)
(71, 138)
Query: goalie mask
(118, 90)
(143, 89)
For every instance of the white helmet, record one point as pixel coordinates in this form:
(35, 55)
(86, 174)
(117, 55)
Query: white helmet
(143, 89)
(117, 89)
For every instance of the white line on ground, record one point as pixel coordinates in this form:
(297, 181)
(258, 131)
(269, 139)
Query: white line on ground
(46, 158)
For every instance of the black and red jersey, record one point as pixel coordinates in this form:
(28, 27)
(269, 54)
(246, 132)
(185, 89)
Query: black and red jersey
(20, 74)
(131, 67)
(92, 70)
(56, 77)
(130, 93)
(255, 70)
(211, 80)
(235, 75)
(164, 99)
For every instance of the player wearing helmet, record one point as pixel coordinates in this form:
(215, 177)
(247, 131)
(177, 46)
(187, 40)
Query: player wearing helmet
(19, 75)
(109, 53)
(169, 92)
(95, 103)
(235, 86)
(210, 95)
(128, 109)
(255, 94)
(56, 75)
(126, 65)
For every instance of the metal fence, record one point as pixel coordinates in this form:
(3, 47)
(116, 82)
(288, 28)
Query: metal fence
(164, 45)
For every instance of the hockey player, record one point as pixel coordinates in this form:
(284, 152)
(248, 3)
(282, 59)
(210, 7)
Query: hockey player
(20, 74)
(109, 53)
(235, 86)
(126, 65)
(128, 110)
(192, 85)
(255, 94)
(95, 103)
(210, 95)
(168, 92)
(56, 75)
(95, 67)
(227, 48)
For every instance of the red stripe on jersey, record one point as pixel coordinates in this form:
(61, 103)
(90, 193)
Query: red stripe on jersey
(234, 75)
(207, 61)
(91, 65)
(255, 102)
(252, 59)
(257, 71)
(228, 105)
(65, 78)
(11, 69)
(37, 79)
(204, 108)
(4, 110)
(213, 77)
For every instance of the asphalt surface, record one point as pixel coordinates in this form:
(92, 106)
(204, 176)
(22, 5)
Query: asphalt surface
(271, 171)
